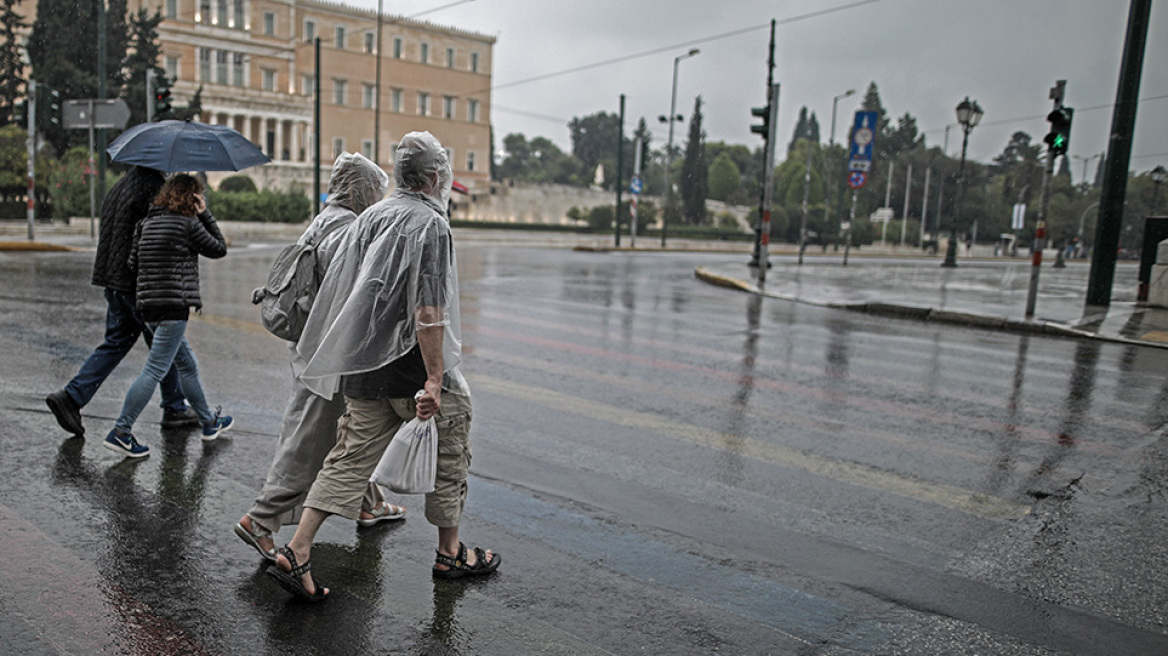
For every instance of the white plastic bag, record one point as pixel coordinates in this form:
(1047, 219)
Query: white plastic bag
(410, 462)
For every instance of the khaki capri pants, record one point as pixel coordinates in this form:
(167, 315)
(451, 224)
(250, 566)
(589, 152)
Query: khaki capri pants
(364, 432)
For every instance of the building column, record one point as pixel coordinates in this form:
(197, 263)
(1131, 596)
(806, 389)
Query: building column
(279, 140)
(297, 126)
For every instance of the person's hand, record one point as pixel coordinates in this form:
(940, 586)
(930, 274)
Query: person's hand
(429, 401)
(200, 204)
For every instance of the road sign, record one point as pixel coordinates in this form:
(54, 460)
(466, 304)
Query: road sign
(863, 141)
(1018, 220)
(856, 179)
(637, 185)
(105, 114)
(881, 215)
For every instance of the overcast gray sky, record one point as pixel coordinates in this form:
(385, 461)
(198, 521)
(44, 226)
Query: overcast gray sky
(925, 56)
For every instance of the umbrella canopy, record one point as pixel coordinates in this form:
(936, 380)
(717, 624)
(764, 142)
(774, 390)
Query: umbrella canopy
(185, 146)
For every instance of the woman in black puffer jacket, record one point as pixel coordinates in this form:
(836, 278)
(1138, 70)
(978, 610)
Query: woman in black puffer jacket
(167, 245)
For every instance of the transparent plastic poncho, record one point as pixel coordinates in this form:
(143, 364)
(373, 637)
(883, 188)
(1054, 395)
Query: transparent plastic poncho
(395, 259)
(355, 184)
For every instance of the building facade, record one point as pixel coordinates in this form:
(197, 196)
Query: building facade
(253, 63)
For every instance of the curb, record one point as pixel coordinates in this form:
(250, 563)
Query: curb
(919, 313)
(35, 246)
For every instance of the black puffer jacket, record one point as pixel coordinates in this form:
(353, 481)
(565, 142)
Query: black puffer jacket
(124, 208)
(166, 254)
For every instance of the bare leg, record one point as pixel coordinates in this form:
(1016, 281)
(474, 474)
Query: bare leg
(448, 546)
(301, 545)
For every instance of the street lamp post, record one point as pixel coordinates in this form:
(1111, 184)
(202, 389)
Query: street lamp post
(1086, 161)
(968, 116)
(834, 102)
(1159, 175)
(669, 148)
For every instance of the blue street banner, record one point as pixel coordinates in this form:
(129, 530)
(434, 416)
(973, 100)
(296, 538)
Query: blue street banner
(863, 141)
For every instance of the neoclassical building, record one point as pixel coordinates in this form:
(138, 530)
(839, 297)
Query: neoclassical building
(254, 61)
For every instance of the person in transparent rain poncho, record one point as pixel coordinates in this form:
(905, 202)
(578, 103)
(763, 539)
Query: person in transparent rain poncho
(385, 325)
(310, 422)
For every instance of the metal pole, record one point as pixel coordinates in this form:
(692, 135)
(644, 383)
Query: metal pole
(377, 95)
(887, 202)
(925, 205)
(806, 196)
(1056, 94)
(1123, 122)
(951, 249)
(907, 190)
(669, 154)
(756, 257)
(851, 220)
(150, 95)
(101, 95)
(768, 181)
(30, 143)
(316, 128)
(633, 202)
(620, 168)
(92, 175)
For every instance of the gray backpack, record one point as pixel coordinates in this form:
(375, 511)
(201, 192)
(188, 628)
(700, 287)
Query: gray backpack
(286, 299)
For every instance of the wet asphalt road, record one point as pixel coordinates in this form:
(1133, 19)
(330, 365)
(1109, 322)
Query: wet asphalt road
(667, 468)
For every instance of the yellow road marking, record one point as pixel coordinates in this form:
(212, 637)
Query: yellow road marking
(947, 496)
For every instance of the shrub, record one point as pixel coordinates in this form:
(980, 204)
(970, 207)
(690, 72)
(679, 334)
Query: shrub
(238, 183)
(266, 206)
(69, 184)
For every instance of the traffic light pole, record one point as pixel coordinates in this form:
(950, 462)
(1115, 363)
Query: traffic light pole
(1056, 94)
(768, 183)
(31, 144)
(150, 96)
(756, 255)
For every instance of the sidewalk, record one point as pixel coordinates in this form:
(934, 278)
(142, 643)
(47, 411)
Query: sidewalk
(987, 293)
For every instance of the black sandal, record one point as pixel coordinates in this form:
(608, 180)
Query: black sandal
(290, 581)
(459, 568)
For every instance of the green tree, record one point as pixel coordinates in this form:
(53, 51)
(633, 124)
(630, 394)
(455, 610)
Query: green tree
(694, 170)
(725, 177)
(594, 139)
(12, 83)
(805, 128)
(141, 58)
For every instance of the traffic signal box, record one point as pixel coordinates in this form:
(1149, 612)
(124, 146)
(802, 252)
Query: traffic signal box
(1059, 136)
(161, 95)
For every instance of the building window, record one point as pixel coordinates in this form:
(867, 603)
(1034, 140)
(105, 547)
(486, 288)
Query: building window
(470, 162)
(307, 85)
(450, 156)
(204, 13)
(238, 63)
(269, 79)
(370, 42)
(221, 67)
(367, 148)
(339, 91)
(472, 111)
(425, 56)
(340, 37)
(171, 67)
(423, 104)
(172, 8)
(269, 23)
(309, 30)
(204, 65)
(395, 101)
(237, 19)
(448, 107)
(221, 13)
(368, 92)
(398, 46)
(450, 58)
(338, 146)
(474, 62)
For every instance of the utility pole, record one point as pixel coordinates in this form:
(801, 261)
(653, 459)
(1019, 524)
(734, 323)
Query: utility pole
(636, 191)
(150, 95)
(1057, 92)
(1123, 122)
(925, 205)
(757, 258)
(620, 166)
(887, 203)
(316, 128)
(377, 96)
(806, 195)
(907, 191)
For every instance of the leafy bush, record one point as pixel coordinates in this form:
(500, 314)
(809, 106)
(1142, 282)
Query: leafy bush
(69, 184)
(265, 206)
(238, 183)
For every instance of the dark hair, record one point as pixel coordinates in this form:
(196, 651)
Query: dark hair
(178, 194)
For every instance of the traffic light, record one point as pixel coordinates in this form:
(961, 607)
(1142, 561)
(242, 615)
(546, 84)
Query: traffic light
(161, 95)
(54, 98)
(20, 113)
(764, 113)
(1059, 136)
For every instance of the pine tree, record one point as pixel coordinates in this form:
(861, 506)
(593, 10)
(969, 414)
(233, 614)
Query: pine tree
(694, 170)
(142, 58)
(12, 84)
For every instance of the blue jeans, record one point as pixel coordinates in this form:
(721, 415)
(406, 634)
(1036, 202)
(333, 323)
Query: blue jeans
(123, 325)
(170, 349)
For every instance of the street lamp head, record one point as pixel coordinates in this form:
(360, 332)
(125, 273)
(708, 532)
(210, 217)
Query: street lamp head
(665, 119)
(693, 52)
(849, 92)
(1159, 175)
(975, 116)
(969, 113)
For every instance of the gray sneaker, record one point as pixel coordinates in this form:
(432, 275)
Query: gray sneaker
(180, 418)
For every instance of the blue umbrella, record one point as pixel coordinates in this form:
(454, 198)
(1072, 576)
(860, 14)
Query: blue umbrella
(185, 146)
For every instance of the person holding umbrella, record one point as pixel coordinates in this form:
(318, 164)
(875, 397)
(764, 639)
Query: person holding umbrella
(122, 210)
(165, 254)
